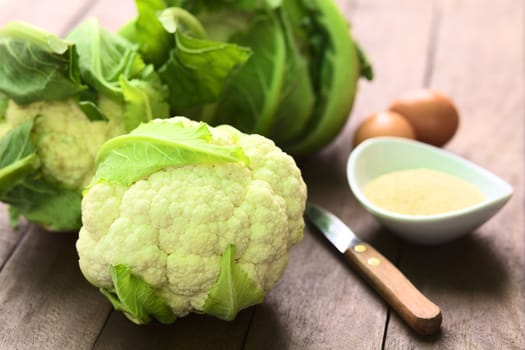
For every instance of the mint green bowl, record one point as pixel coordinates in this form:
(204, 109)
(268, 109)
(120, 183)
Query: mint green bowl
(381, 155)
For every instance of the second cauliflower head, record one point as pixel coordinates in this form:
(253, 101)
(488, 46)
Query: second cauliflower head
(48, 151)
(60, 100)
(65, 140)
(181, 217)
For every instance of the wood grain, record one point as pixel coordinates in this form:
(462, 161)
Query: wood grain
(190, 332)
(45, 302)
(9, 237)
(479, 280)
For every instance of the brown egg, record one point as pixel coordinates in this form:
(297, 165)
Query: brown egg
(385, 123)
(433, 116)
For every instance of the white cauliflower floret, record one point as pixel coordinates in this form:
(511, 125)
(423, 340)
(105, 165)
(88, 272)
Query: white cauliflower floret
(173, 227)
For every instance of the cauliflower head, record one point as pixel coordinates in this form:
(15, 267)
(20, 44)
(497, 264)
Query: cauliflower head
(181, 217)
(48, 153)
(65, 140)
(60, 100)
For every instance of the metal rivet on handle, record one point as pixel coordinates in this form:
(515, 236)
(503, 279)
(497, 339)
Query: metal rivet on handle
(360, 248)
(373, 261)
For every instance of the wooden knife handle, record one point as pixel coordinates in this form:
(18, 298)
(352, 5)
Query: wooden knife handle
(422, 315)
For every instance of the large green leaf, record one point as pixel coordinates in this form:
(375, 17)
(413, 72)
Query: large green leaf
(297, 96)
(105, 57)
(233, 291)
(197, 69)
(36, 65)
(157, 145)
(252, 97)
(137, 299)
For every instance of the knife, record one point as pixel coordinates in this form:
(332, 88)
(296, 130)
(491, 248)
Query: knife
(422, 315)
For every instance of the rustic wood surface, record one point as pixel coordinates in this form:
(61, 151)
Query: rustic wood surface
(473, 50)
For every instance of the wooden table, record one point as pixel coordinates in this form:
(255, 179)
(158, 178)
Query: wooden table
(473, 50)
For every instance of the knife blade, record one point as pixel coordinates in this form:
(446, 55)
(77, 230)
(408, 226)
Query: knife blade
(420, 314)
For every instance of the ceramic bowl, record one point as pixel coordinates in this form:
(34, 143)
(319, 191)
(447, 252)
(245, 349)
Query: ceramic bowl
(382, 155)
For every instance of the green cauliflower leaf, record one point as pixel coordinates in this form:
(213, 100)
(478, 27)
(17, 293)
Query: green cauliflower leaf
(154, 146)
(234, 290)
(37, 65)
(135, 298)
